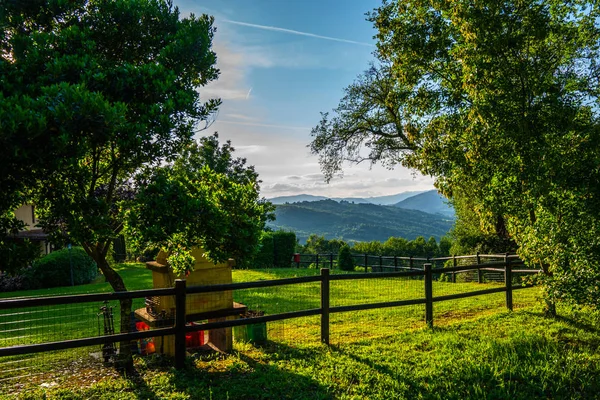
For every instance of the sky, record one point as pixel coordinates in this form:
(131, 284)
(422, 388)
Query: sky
(282, 63)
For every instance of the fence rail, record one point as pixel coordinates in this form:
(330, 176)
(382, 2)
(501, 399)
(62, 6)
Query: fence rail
(399, 263)
(181, 291)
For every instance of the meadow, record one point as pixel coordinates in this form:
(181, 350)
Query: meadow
(476, 350)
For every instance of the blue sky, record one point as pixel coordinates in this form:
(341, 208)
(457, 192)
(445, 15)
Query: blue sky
(282, 62)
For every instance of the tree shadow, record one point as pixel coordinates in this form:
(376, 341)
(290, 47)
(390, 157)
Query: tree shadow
(246, 374)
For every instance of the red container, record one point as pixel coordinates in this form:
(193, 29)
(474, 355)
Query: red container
(296, 258)
(194, 339)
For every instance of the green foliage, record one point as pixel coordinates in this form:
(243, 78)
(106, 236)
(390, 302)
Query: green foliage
(82, 109)
(357, 222)
(206, 197)
(345, 261)
(18, 254)
(265, 256)
(284, 246)
(54, 269)
(396, 246)
(498, 101)
(316, 244)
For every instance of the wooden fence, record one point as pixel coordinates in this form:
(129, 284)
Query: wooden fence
(180, 326)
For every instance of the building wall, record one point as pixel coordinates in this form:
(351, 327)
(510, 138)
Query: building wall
(25, 214)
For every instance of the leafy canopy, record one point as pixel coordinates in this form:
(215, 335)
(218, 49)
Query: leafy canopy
(498, 101)
(207, 198)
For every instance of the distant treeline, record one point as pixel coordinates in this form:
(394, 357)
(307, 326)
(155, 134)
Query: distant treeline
(277, 248)
(393, 246)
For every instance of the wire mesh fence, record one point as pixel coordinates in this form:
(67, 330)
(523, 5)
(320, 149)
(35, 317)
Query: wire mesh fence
(52, 323)
(352, 326)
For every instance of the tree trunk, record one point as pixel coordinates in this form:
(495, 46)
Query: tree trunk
(125, 359)
(550, 304)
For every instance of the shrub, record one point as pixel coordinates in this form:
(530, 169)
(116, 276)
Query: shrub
(55, 269)
(13, 283)
(284, 245)
(265, 256)
(345, 260)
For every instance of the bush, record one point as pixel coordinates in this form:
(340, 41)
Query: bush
(265, 256)
(13, 283)
(284, 245)
(345, 260)
(55, 269)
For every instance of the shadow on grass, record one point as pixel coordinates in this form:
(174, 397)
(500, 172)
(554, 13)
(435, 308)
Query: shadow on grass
(248, 374)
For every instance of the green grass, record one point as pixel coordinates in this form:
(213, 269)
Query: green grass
(477, 350)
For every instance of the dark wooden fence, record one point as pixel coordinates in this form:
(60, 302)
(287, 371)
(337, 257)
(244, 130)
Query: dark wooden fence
(180, 291)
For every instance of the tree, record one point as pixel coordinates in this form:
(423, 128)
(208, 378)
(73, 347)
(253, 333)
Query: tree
(500, 103)
(98, 89)
(345, 261)
(205, 197)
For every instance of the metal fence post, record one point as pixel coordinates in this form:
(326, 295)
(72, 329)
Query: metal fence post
(180, 293)
(508, 282)
(428, 295)
(330, 260)
(317, 260)
(325, 305)
(479, 273)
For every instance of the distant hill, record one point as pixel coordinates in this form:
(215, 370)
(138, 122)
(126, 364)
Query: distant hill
(357, 222)
(430, 202)
(296, 199)
(392, 199)
(381, 200)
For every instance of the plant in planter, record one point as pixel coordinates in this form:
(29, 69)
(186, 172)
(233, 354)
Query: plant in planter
(252, 333)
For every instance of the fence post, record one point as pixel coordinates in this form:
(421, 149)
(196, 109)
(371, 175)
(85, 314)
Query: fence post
(410, 263)
(395, 263)
(330, 260)
(454, 272)
(380, 263)
(428, 295)
(508, 282)
(366, 261)
(317, 260)
(479, 273)
(180, 293)
(325, 305)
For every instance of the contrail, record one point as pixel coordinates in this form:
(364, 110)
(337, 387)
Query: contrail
(293, 32)
(264, 125)
(248, 95)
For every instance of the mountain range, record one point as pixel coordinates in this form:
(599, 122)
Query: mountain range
(429, 201)
(380, 200)
(418, 214)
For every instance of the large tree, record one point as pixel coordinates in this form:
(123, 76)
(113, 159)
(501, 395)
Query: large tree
(205, 197)
(500, 103)
(91, 92)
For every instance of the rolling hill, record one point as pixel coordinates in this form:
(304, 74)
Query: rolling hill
(357, 222)
(430, 202)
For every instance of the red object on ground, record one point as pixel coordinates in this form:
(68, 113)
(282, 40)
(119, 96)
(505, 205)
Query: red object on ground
(194, 339)
(296, 258)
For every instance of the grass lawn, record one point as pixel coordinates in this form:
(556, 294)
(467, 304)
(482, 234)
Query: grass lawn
(477, 350)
